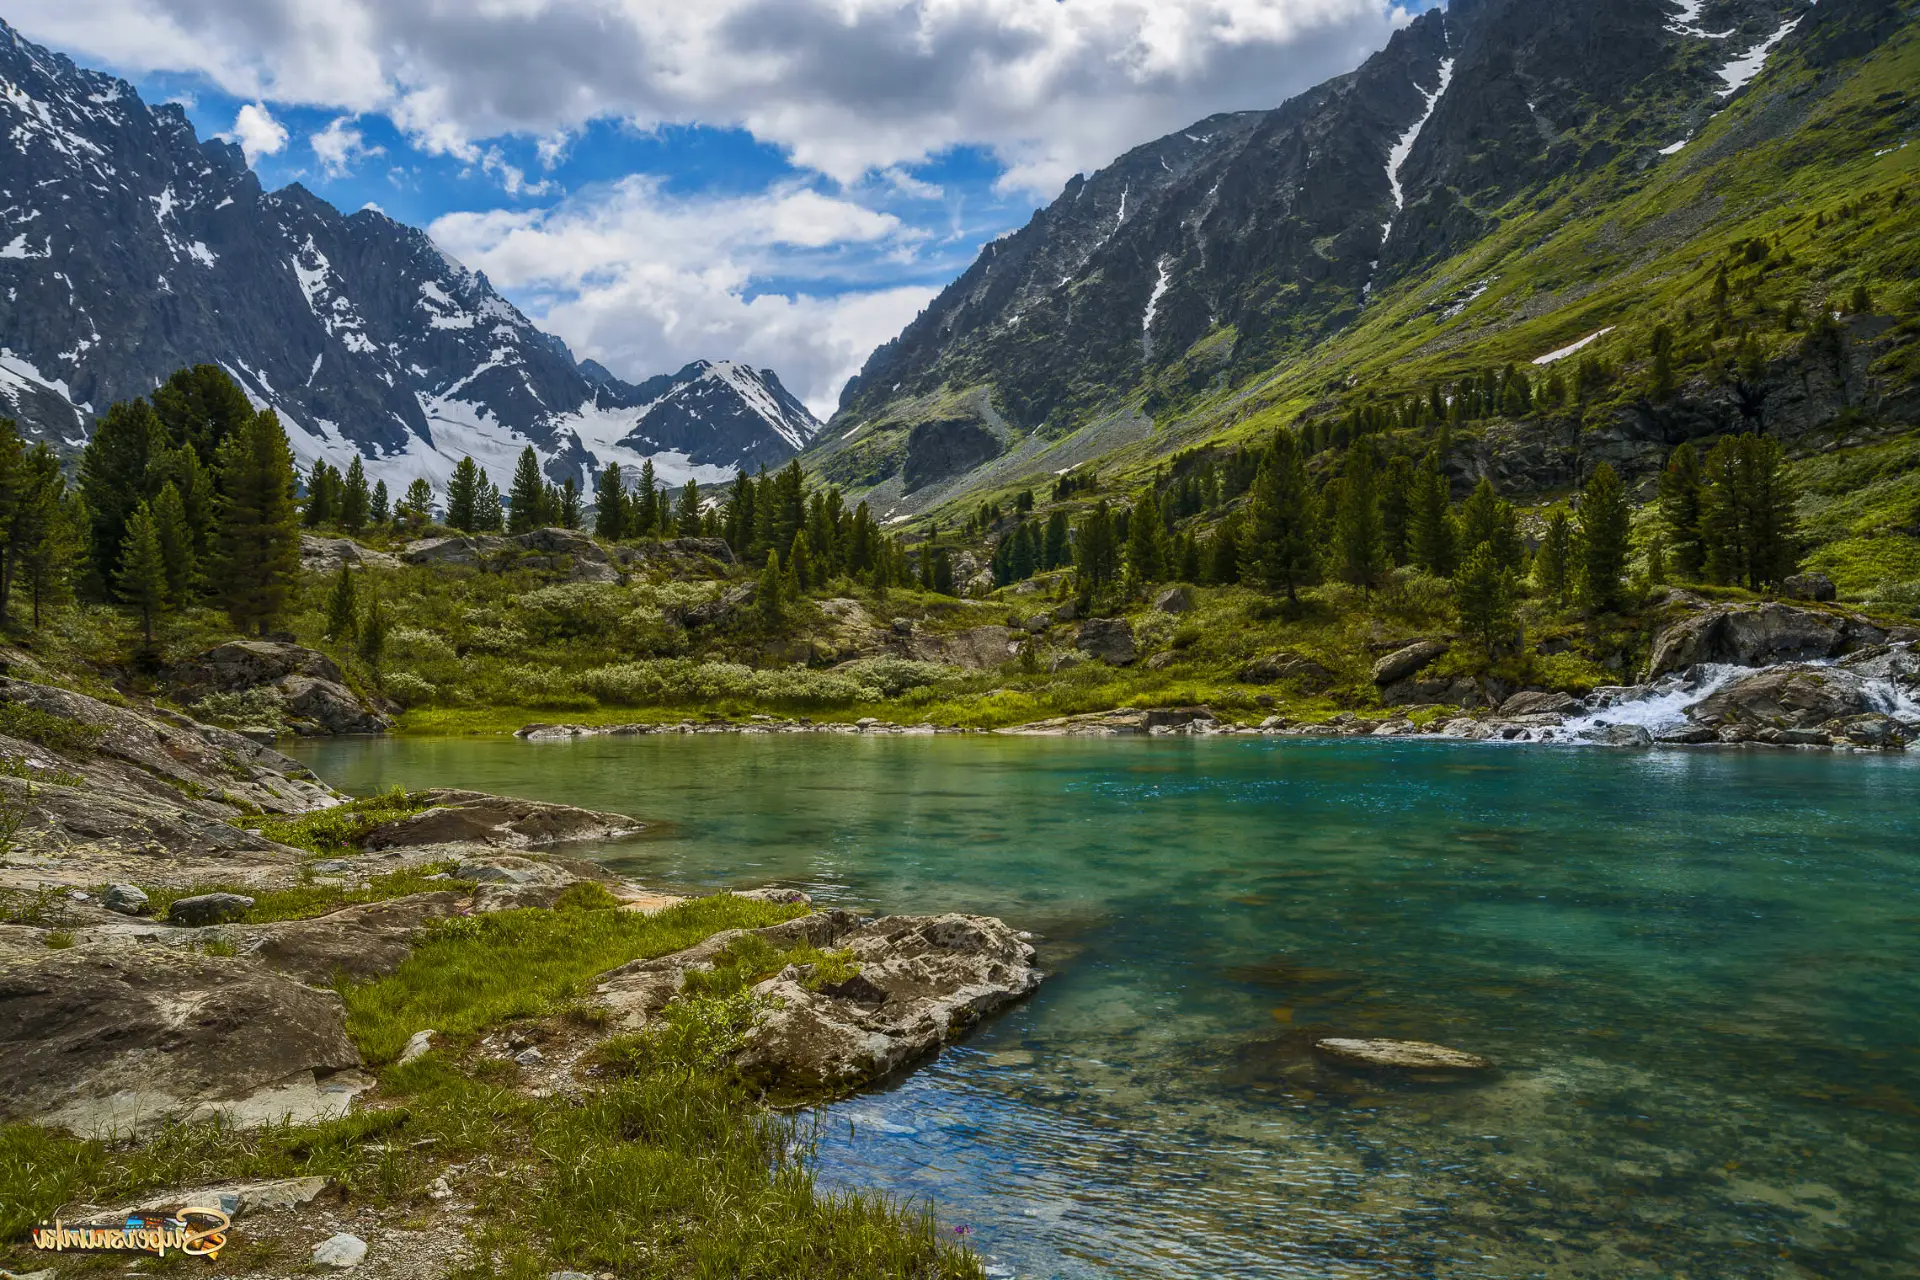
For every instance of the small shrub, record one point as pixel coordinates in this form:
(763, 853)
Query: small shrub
(259, 707)
(409, 690)
(57, 733)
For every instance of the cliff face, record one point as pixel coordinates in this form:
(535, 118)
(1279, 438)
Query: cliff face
(1250, 244)
(129, 248)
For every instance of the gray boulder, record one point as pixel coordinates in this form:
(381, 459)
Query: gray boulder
(1403, 663)
(101, 1040)
(1108, 639)
(1623, 735)
(209, 908)
(126, 899)
(1536, 703)
(976, 648)
(505, 822)
(342, 1252)
(1275, 667)
(1809, 586)
(1789, 697)
(1758, 635)
(326, 555)
(1175, 599)
(307, 682)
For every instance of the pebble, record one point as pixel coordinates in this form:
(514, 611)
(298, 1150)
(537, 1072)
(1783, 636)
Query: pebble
(530, 1056)
(440, 1190)
(342, 1252)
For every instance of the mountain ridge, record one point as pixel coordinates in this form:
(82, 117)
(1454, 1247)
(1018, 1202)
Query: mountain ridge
(365, 336)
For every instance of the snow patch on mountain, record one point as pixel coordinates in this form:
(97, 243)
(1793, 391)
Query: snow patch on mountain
(1736, 74)
(1397, 158)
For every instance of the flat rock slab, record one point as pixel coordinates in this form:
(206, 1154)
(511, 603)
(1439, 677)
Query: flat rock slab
(1400, 1055)
(501, 822)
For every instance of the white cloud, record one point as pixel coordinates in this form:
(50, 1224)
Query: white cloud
(844, 86)
(906, 184)
(645, 282)
(339, 145)
(257, 132)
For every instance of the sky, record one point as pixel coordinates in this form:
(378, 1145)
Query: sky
(784, 182)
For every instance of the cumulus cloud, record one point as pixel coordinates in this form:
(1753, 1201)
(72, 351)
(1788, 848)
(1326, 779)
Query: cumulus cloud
(645, 282)
(339, 146)
(843, 86)
(257, 132)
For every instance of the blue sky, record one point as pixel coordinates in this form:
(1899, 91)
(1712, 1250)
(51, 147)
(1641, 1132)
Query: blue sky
(781, 181)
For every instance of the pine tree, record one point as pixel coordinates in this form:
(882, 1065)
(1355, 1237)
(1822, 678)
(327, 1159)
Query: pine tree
(1359, 533)
(169, 517)
(1483, 594)
(380, 506)
(1278, 550)
(525, 498)
(767, 598)
(1553, 566)
(942, 572)
(373, 633)
(199, 408)
(15, 486)
(609, 504)
(1435, 540)
(1146, 542)
(1747, 524)
(1605, 525)
(355, 501)
(1096, 550)
(46, 534)
(463, 496)
(569, 507)
(142, 580)
(487, 514)
(689, 523)
(113, 479)
(180, 466)
(321, 496)
(1056, 549)
(1396, 509)
(1222, 566)
(259, 532)
(417, 505)
(800, 565)
(644, 521)
(1680, 496)
(1662, 384)
(343, 607)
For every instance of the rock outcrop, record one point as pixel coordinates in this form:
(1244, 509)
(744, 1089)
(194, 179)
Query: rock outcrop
(104, 1039)
(1406, 662)
(1108, 639)
(921, 981)
(1789, 697)
(1757, 636)
(553, 550)
(309, 686)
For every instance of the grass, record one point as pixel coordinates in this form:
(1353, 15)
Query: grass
(669, 1169)
(476, 971)
(749, 959)
(304, 901)
(342, 828)
(56, 733)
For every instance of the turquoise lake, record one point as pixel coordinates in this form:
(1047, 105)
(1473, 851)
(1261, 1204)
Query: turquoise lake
(1699, 973)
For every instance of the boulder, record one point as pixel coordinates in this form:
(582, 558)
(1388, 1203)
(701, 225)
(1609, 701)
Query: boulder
(922, 981)
(1037, 623)
(128, 900)
(1175, 599)
(342, 1252)
(1403, 663)
(1401, 1055)
(474, 817)
(100, 1039)
(1875, 730)
(309, 685)
(1622, 735)
(721, 607)
(976, 648)
(209, 908)
(1108, 639)
(1758, 635)
(456, 549)
(1809, 586)
(1693, 737)
(326, 555)
(571, 549)
(1275, 667)
(1534, 703)
(1788, 697)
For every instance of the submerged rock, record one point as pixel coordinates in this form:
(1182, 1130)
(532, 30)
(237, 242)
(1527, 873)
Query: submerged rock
(1401, 1055)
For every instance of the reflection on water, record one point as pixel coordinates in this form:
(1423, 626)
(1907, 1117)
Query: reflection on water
(1698, 972)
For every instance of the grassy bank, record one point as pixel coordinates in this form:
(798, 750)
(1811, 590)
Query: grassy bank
(665, 1167)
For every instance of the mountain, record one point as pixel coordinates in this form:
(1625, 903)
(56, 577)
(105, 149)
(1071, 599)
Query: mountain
(129, 248)
(1390, 220)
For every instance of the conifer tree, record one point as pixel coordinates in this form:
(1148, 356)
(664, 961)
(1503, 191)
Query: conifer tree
(1605, 526)
(1222, 566)
(259, 533)
(1281, 522)
(740, 514)
(417, 505)
(463, 496)
(200, 407)
(1483, 593)
(569, 505)
(767, 598)
(610, 504)
(1097, 554)
(46, 535)
(169, 517)
(380, 506)
(373, 633)
(142, 579)
(321, 495)
(1680, 497)
(942, 572)
(1056, 550)
(343, 607)
(799, 567)
(1553, 566)
(1661, 378)
(1146, 542)
(356, 503)
(113, 479)
(1359, 534)
(644, 513)
(689, 522)
(1747, 523)
(527, 494)
(487, 514)
(180, 466)
(1435, 539)
(1396, 509)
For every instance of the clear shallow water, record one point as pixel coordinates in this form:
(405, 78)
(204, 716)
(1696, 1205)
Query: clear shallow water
(1699, 972)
